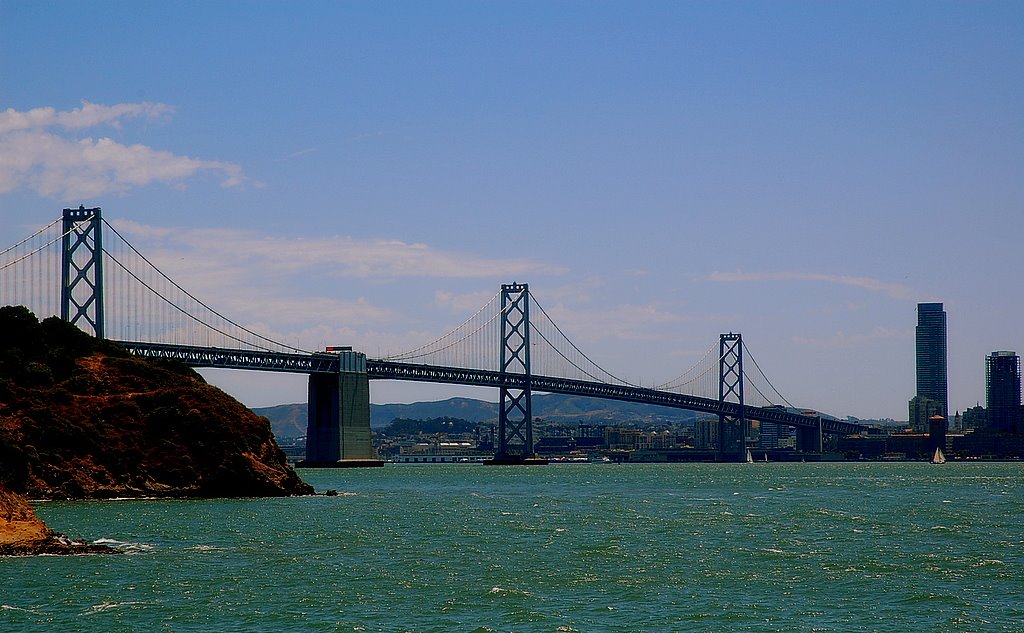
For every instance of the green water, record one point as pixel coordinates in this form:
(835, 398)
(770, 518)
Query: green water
(690, 547)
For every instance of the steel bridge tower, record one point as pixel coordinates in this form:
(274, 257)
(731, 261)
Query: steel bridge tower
(515, 414)
(81, 278)
(732, 429)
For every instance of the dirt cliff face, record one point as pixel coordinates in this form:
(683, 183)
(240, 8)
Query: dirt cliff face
(23, 534)
(80, 418)
(19, 525)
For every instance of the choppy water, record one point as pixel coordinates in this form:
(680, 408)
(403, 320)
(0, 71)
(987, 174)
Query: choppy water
(690, 547)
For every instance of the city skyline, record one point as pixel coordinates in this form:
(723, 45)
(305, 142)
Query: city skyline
(370, 174)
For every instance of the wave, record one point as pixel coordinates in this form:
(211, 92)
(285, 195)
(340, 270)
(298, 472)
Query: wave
(207, 548)
(8, 607)
(107, 605)
(124, 546)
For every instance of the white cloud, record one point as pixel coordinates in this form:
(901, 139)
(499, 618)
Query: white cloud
(89, 115)
(38, 153)
(313, 291)
(894, 290)
(227, 249)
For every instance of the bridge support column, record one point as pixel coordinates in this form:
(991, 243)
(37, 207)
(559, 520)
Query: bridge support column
(732, 429)
(81, 275)
(338, 430)
(809, 439)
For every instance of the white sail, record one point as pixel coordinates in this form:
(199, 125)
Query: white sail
(938, 457)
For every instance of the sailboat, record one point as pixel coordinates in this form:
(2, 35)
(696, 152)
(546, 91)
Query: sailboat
(750, 458)
(938, 457)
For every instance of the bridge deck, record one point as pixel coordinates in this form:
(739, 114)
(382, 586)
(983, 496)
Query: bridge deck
(387, 370)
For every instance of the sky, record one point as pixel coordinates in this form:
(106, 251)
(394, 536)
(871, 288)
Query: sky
(659, 172)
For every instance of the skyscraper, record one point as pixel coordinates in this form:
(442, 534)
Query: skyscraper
(931, 354)
(1002, 391)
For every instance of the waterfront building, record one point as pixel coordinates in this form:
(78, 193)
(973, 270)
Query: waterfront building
(922, 410)
(974, 419)
(439, 452)
(774, 435)
(705, 434)
(931, 355)
(1002, 391)
(616, 439)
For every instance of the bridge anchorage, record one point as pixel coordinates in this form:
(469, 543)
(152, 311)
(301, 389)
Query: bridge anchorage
(510, 344)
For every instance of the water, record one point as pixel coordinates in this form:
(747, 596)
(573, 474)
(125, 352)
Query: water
(689, 547)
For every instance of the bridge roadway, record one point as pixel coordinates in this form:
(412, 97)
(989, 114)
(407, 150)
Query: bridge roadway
(328, 363)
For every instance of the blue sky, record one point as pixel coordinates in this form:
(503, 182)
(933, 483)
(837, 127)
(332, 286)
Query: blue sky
(659, 172)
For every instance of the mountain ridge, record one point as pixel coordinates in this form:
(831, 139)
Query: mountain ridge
(289, 420)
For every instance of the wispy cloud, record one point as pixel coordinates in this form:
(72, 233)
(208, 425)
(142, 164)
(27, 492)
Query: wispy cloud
(894, 290)
(321, 290)
(329, 256)
(301, 152)
(39, 151)
(89, 115)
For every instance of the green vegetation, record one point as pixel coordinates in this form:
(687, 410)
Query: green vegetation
(433, 426)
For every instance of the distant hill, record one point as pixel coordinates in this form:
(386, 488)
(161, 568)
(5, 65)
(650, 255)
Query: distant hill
(289, 420)
(468, 409)
(286, 420)
(574, 409)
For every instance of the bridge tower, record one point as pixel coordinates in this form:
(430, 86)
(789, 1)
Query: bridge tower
(515, 413)
(81, 277)
(338, 426)
(732, 429)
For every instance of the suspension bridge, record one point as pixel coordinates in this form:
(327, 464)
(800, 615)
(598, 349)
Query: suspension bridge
(82, 269)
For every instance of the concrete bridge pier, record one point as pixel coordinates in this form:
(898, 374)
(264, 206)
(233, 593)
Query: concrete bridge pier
(338, 430)
(809, 439)
(732, 445)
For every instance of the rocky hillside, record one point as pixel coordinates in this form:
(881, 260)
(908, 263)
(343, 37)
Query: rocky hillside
(80, 418)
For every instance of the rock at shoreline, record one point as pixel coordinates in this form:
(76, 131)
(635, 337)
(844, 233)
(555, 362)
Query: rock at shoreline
(81, 418)
(22, 533)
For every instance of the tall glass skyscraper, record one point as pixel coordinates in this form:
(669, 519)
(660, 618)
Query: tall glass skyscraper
(931, 354)
(1002, 391)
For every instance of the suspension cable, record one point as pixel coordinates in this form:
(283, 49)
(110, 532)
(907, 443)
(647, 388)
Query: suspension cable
(182, 310)
(194, 298)
(674, 383)
(413, 353)
(578, 350)
(40, 248)
(584, 371)
(754, 360)
(42, 230)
